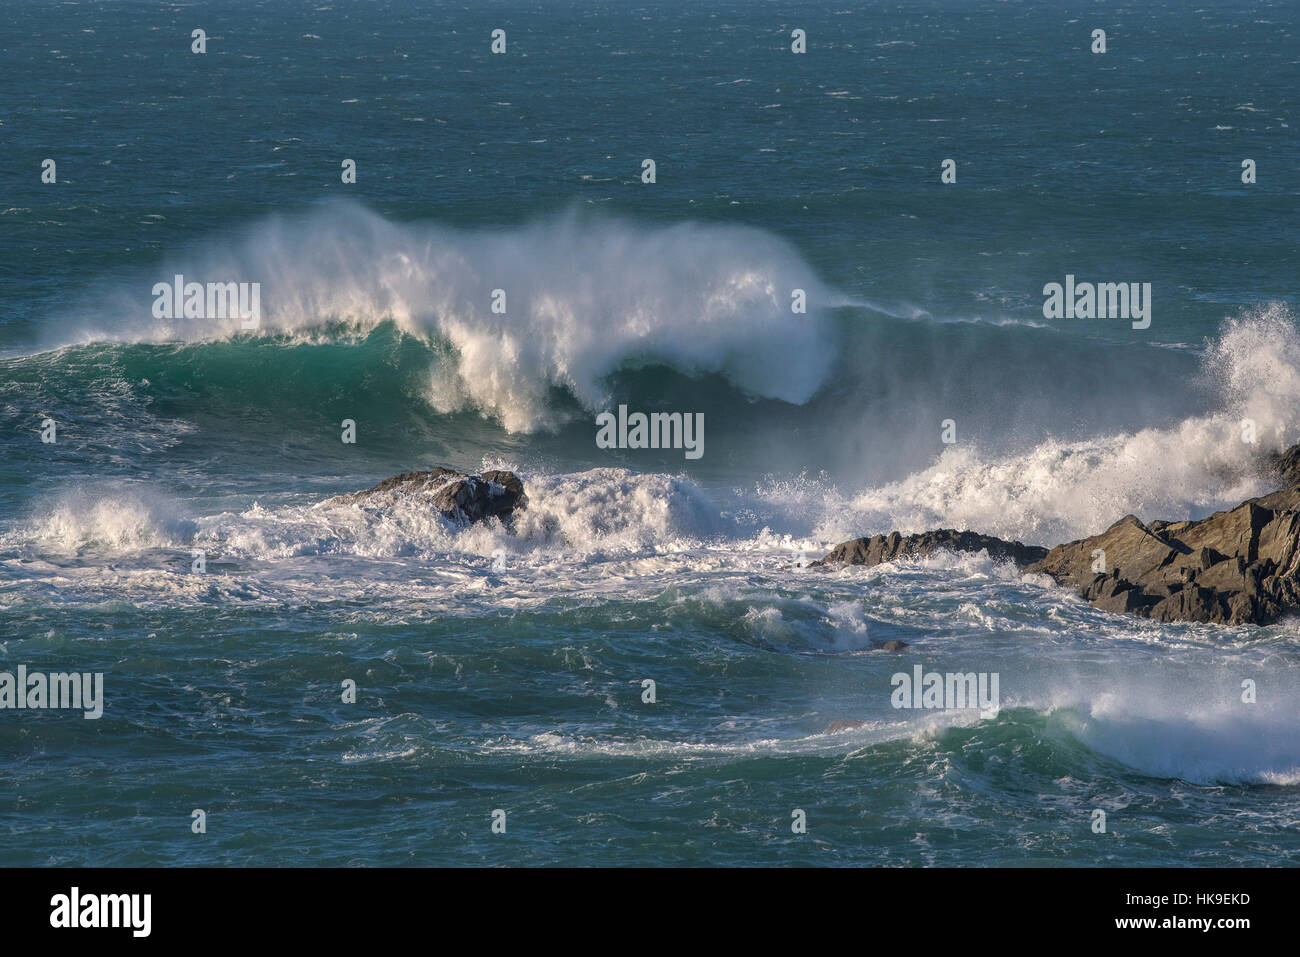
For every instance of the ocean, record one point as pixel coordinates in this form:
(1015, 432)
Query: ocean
(640, 670)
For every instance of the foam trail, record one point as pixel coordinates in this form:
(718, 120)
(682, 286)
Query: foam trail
(587, 515)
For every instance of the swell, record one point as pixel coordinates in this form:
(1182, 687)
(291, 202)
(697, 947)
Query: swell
(561, 302)
(868, 448)
(830, 422)
(592, 302)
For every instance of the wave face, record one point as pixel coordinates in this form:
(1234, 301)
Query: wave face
(584, 296)
(392, 324)
(831, 421)
(507, 668)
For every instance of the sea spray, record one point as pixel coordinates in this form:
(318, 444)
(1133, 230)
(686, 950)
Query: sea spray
(587, 296)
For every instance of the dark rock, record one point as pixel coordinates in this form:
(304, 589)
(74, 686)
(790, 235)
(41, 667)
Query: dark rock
(894, 644)
(460, 498)
(1285, 467)
(1235, 567)
(885, 548)
(510, 482)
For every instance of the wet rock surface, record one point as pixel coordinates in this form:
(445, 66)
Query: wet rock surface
(1235, 567)
(458, 497)
(886, 548)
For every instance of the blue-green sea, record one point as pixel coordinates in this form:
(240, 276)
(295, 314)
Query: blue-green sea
(638, 671)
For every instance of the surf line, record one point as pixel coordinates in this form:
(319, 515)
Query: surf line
(1106, 300)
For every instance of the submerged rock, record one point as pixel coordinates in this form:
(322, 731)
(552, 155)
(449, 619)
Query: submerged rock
(842, 724)
(460, 498)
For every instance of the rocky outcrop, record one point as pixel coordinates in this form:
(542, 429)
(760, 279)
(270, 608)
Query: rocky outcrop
(1284, 467)
(460, 498)
(1235, 567)
(886, 548)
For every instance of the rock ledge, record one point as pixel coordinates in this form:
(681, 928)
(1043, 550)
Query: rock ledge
(1236, 567)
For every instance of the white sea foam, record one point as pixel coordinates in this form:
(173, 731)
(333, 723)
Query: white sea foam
(585, 296)
(586, 516)
(1059, 490)
(108, 517)
(1195, 728)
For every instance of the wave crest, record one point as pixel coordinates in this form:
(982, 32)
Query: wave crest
(584, 297)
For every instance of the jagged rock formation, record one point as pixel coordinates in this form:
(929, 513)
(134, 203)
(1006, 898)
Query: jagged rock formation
(1234, 567)
(460, 498)
(886, 548)
(1285, 467)
(1237, 566)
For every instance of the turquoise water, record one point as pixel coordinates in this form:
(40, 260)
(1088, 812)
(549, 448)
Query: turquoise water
(504, 669)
